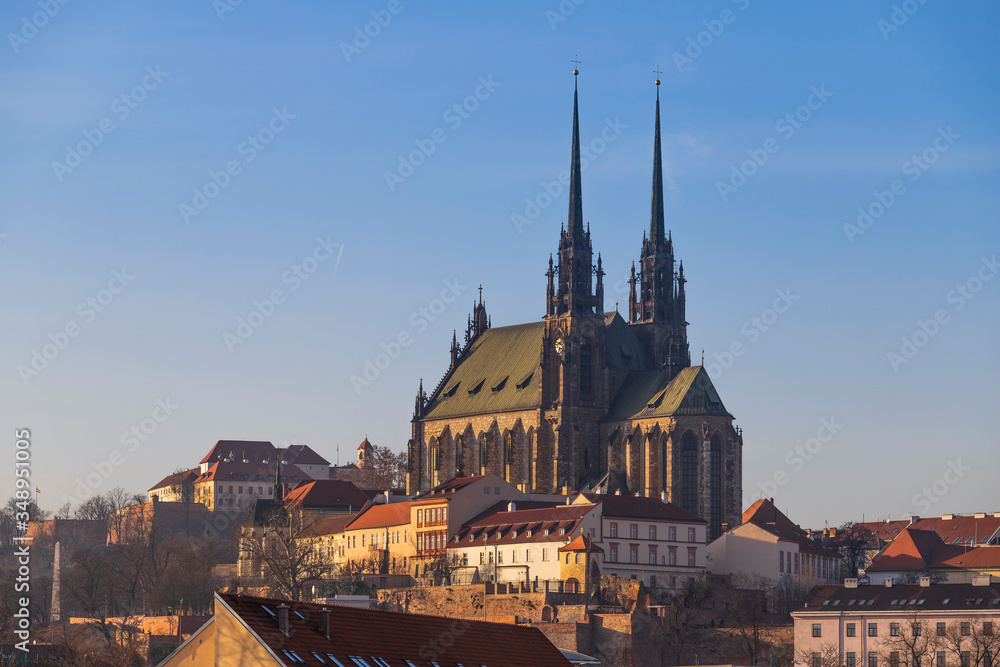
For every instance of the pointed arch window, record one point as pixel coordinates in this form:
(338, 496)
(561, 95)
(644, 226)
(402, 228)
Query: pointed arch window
(689, 472)
(715, 487)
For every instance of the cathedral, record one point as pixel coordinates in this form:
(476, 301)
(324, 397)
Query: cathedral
(586, 398)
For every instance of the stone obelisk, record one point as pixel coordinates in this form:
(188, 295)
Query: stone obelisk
(55, 612)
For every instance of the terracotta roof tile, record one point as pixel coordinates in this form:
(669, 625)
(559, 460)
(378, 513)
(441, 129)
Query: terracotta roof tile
(393, 637)
(382, 516)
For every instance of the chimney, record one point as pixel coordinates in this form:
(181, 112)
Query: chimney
(913, 519)
(618, 492)
(664, 497)
(565, 490)
(996, 515)
(888, 582)
(981, 580)
(925, 582)
(851, 583)
(947, 517)
(155, 498)
(283, 619)
(980, 515)
(324, 622)
(511, 506)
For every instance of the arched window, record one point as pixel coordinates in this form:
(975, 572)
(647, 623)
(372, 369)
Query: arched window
(689, 473)
(508, 448)
(459, 455)
(715, 487)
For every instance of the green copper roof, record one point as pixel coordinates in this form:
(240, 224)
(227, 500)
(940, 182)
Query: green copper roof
(500, 372)
(648, 394)
(625, 350)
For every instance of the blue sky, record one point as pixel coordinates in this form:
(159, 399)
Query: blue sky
(309, 118)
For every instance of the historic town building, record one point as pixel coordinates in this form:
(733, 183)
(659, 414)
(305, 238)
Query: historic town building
(556, 405)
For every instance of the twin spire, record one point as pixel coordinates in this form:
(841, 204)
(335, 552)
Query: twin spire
(575, 197)
(575, 230)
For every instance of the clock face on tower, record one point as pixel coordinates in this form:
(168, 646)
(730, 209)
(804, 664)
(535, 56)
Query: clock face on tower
(560, 346)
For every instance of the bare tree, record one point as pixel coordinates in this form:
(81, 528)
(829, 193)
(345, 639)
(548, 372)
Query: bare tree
(384, 469)
(284, 564)
(681, 611)
(855, 544)
(907, 644)
(746, 601)
(828, 655)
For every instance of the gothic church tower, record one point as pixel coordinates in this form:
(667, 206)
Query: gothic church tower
(574, 382)
(656, 296)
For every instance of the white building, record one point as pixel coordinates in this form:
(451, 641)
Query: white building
(520, 545)
(767, 543)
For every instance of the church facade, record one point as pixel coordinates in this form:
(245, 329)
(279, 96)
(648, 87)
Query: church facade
(583, 397)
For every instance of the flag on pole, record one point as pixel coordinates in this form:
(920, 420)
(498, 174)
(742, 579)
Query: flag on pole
(37, 490)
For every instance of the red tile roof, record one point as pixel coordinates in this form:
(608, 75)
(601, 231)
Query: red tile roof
(640, 507)
(951, 528)
(392, 637)
(256, 451)
(382, 516)
(303, 455)
(919, 550)
(328, 526)
(766, 516)
(326, 493)
(582, 543)
(176, 478)
(447, 488)
(498, 526)
(256, 473)
(955, 597)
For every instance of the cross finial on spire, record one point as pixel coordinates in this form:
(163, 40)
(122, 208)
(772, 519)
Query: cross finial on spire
(658, 72)
(576, 61)
(480, 294)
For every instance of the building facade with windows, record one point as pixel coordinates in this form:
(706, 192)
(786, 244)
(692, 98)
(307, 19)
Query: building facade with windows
(381, 534)
(438, 514)
(769, 544)
(925, 625)
(511, 543)
(650, 540)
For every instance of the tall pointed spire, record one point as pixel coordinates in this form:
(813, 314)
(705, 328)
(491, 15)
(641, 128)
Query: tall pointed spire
(575, 220)
(656, 214)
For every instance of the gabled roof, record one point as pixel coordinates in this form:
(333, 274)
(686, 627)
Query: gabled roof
(176, 478)
(448, 487)
(498, 372)
(953, 529)
(640, 507)
(382, 516)
(766, 516)
(498, 526)
(919, 550)
(584, 544)
(649, 394)
(302, 455)
(392, 637)
(255, 451)
(326, 493)
(333, 525)
(251, 473)
(902, 597)
(624, 349)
